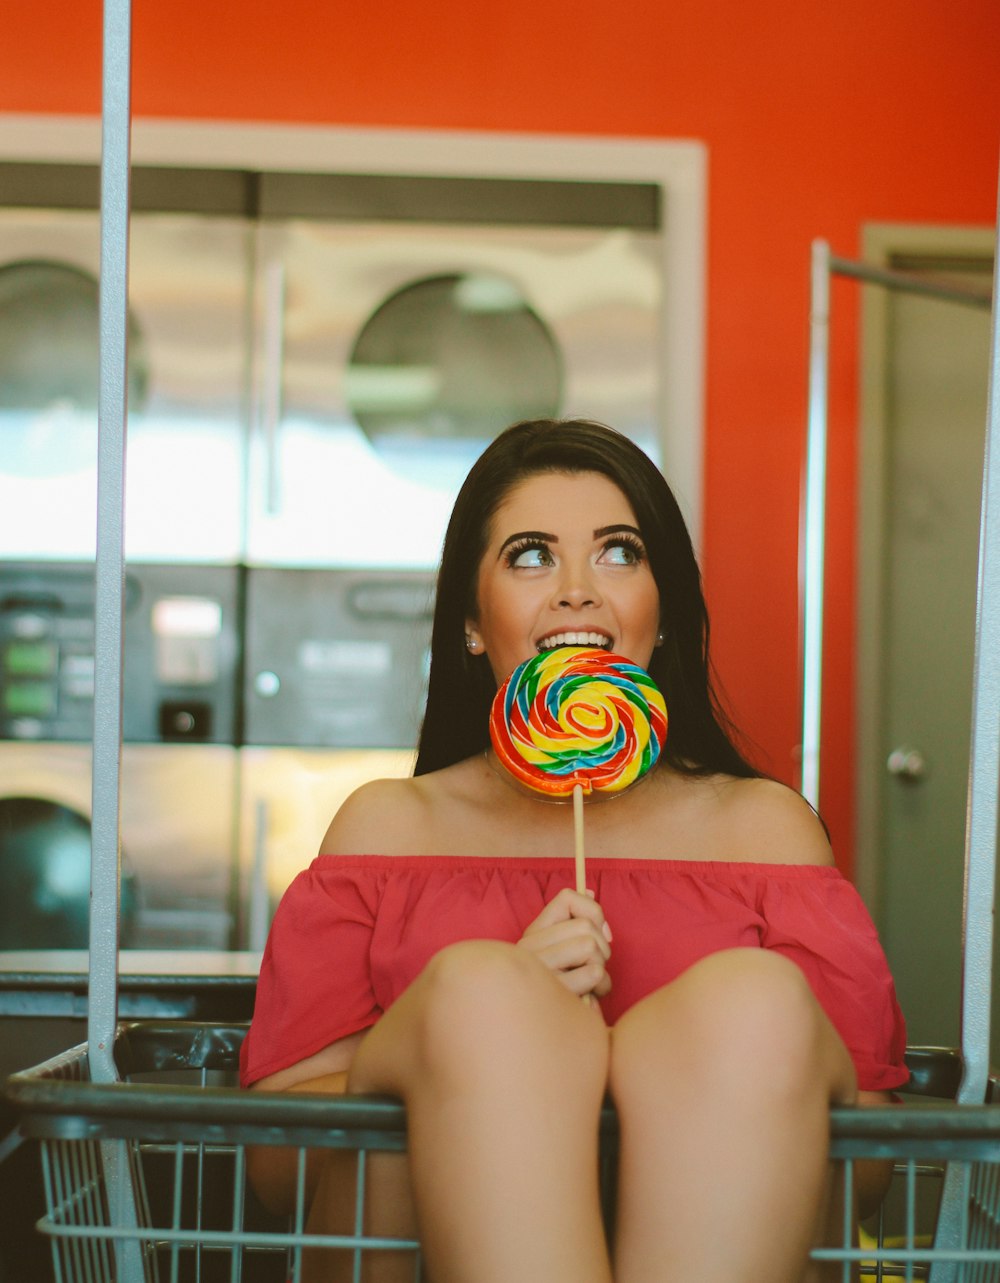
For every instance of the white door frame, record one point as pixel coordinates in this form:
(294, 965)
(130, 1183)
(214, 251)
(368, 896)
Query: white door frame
(880, 243)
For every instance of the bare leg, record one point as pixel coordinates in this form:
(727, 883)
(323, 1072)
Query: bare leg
(723, 1081)
(388, 1214)
(503, 1073)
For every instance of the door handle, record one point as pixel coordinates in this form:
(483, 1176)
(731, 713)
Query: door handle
(907, 763)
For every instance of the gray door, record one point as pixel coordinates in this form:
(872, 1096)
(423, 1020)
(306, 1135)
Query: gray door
(926, 375)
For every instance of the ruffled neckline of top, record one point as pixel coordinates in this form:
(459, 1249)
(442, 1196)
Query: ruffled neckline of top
(545, 863)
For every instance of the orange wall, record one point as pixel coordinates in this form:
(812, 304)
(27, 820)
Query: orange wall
(818, 117)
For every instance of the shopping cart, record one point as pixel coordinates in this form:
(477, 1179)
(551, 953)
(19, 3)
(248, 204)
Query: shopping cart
(144, 1136)
(146, 1179)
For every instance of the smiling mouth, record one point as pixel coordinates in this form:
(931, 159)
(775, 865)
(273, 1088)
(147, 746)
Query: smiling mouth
(601, 640)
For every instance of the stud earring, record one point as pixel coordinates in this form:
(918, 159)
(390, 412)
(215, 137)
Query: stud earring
(659, 638)
(471, 644)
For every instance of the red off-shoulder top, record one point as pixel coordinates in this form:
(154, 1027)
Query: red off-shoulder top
(352, 932)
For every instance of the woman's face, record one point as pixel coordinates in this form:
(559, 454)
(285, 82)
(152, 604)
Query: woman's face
(564, 565)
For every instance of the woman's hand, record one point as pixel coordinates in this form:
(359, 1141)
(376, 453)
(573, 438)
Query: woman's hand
(571, 938)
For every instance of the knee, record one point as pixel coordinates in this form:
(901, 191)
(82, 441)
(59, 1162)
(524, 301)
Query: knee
(466, 981)
(488, 1005)
(767, 1016)
(743, 1021)
(476, 993)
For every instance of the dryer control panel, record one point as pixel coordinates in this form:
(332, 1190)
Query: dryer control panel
(181, 653)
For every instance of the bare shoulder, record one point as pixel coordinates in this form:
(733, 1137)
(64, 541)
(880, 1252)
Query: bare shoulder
(375, 817)
(769, 822)
(400, 816)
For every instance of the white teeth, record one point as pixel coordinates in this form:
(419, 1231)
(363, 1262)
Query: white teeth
(574, 639)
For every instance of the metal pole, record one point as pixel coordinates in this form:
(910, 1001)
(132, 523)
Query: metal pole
(110, 566)
(905, 283)
(984, 771)
(981, 825)
(814, 521)
(105, 872)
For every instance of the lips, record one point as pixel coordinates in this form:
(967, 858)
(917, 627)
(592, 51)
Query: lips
(577, 637)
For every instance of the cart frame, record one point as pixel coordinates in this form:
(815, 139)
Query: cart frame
(179, 1139)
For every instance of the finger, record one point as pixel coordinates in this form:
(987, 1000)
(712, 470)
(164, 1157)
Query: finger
(573, 932)
(568, 903)
(591, 978)
(604, 924)
(573, 951)
(570, 929)
(603, 986)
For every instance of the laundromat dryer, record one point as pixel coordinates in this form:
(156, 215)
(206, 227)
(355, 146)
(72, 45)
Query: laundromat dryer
(179, 763)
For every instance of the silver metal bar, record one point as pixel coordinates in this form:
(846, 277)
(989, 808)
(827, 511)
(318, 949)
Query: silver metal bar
(984, 770)
(102, 1010)
(981, 824)
(814, 521)
(359, 1212)
(908, 283)
(110, 565)
(847, 1220)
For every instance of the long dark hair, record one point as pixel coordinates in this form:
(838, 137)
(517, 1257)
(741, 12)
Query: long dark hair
(700, 738)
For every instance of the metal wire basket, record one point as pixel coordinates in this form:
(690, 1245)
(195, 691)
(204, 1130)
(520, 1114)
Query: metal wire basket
(146, 1179)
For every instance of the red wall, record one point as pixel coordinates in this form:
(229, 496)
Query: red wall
(818, 118)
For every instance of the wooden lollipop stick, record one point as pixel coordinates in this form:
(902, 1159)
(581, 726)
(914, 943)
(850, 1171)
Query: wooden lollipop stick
(581, 867)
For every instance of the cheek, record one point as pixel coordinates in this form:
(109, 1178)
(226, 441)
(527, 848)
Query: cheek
(483, 591)
(494, 608)
(647, 599)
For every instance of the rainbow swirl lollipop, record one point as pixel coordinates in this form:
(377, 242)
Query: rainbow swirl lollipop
(578, 716)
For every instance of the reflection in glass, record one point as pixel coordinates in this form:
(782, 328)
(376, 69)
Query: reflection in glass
(50, 367)
(452, 356)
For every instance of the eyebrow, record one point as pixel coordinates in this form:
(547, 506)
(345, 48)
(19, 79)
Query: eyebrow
(540, 535)
(601, 531)
(544, 537)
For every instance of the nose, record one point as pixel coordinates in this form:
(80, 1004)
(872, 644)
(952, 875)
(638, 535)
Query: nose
(576, 588)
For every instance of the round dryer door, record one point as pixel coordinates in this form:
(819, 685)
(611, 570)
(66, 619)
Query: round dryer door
(450, 357)
(391, 354)
(50, 367)
(45, 877)
(187, 371)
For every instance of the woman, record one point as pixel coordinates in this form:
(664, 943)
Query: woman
(437, 952)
